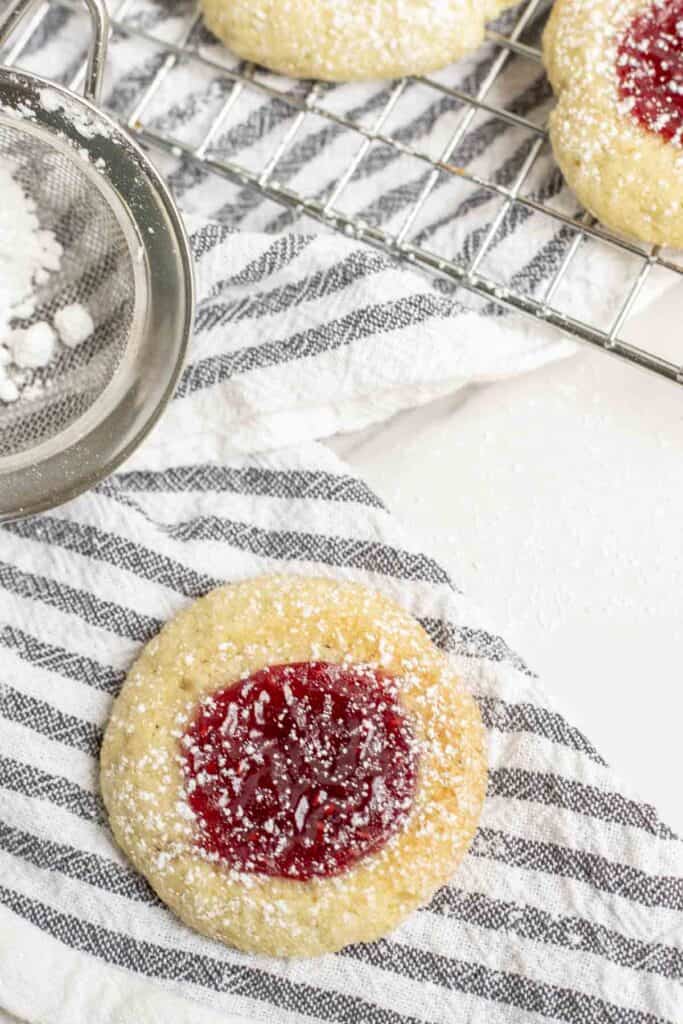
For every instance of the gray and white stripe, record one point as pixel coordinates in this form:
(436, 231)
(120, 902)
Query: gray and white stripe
(592, 901)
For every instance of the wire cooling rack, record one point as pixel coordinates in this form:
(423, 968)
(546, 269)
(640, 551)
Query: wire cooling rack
(170, 37)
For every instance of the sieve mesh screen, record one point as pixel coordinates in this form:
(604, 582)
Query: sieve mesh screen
(96, 271)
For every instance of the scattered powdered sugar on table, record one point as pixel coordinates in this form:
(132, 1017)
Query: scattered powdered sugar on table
(29, 256)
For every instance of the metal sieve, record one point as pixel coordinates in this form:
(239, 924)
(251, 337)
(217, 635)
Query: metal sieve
(125, 258)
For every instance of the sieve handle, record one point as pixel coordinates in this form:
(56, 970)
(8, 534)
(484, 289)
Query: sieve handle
(97, 51)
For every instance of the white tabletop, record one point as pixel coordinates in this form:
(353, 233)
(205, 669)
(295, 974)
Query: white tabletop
(557, 501)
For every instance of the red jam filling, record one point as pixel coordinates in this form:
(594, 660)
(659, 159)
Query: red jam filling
(300, 770)
(650, 69)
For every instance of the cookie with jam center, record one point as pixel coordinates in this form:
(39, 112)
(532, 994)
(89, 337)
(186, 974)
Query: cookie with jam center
(617, 130)
(293, 765)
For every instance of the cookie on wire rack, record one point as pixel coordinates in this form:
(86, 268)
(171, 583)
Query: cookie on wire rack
(293, 765)
(617, 130)
(343, 40)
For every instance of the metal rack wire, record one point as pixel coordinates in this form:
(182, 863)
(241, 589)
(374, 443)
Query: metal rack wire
(515, 41)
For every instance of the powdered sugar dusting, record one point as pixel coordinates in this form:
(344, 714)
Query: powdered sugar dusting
(84, 123)
(303, 783)
(28, 254)
(345, 41)
(649, 67)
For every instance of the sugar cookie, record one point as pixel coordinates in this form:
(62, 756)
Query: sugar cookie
(341, 40)
(293, 765)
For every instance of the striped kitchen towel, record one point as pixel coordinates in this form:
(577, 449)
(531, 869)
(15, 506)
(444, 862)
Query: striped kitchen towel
(569, 906)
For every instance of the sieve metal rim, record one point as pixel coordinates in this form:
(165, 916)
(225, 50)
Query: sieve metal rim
(112, 435)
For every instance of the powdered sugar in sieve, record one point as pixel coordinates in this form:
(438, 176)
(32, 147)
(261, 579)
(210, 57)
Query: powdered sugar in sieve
(66, 291)
(96, 284)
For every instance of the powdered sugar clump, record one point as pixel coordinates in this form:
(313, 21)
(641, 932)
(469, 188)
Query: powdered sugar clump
(74, 324)
(9, 392)
(29, 255)
(33, 347)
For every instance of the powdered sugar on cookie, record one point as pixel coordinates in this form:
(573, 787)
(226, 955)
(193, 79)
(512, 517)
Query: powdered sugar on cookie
(300, 770)
(342, 40)
(649, 66)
